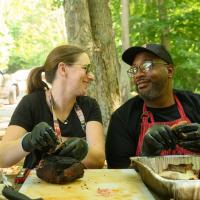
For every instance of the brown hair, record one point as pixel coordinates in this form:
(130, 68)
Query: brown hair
(63, 53)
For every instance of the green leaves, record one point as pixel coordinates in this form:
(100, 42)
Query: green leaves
(35, 27)
(178, 21)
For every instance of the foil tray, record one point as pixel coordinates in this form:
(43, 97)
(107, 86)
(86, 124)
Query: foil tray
(150, 167)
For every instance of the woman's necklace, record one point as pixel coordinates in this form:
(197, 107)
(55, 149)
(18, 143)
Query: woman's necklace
(77, 109)
(66, 121)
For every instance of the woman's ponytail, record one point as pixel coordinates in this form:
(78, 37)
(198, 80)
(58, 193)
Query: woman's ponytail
(34, 81)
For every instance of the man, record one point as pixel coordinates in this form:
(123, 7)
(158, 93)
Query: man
(159, 120)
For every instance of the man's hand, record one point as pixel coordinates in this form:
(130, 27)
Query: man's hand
(188, 136)
(74, 147)
(42, 137)
(158, 138)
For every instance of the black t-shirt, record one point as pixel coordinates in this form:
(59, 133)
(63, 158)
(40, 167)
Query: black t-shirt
(124, 127)
(33, 109)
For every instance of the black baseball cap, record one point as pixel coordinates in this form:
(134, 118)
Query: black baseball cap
(157, 49)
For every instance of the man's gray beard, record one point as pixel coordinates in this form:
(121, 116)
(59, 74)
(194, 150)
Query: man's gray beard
(153, 93)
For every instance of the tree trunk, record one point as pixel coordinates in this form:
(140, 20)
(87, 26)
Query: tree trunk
(89, 25)
(124, 80)
(77, 23)
(162, 18)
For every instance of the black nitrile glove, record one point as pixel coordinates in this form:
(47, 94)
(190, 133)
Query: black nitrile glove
(158, 138)
(42, 137)
(74, 147)
(188, 136)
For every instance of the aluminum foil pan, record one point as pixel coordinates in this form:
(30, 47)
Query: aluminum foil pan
(150, 167)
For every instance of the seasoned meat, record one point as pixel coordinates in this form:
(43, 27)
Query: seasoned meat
(180, 172)
(59, 169)
(183, 168)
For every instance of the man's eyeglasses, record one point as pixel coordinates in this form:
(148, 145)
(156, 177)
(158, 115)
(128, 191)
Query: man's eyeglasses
(86, 67)
(144, 67)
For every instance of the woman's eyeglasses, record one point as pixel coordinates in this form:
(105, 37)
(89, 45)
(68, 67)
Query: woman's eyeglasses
(86, 67)
(144, 67)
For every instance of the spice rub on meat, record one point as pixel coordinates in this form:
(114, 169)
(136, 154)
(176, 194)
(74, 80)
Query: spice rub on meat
(180, 172)
(64, 164)
(59, 170)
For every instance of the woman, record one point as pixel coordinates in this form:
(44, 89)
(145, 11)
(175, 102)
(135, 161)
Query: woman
(60, 103)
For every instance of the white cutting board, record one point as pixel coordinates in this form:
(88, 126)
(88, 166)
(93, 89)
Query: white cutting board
(96, 184)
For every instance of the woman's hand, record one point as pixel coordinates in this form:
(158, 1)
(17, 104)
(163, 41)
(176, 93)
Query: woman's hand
(42, 137)
(74, 147)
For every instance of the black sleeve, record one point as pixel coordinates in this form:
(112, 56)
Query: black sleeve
(94, 112)
(191, 104)
(119, 144)
(22, 115)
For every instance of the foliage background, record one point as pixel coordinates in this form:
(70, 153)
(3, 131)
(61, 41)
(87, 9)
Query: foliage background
(183, 22)
(30, 29)
(35, 27)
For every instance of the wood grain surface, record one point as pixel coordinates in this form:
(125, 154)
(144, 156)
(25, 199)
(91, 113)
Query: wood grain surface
(97, 184)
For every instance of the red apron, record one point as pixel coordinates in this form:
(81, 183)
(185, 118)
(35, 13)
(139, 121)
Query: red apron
(145, 125)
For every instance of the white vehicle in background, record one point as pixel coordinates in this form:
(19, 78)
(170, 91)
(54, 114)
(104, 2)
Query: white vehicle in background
(13, 85)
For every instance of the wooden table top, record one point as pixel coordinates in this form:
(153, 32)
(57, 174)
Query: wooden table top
(96, 184)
